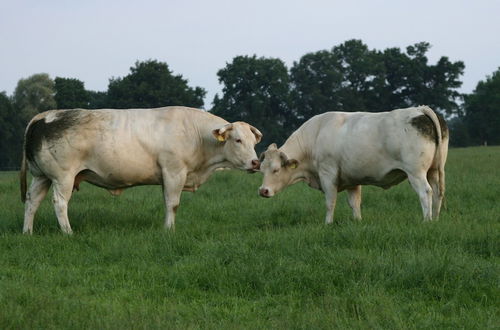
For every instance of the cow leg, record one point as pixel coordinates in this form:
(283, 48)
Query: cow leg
(354, 200)
(62, 194)
(437, 194)
(424, 191)
(37, 192)
(330, 190)
(172, 189)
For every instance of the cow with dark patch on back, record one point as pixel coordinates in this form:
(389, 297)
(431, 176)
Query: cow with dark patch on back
(176, 147)
(337, 151)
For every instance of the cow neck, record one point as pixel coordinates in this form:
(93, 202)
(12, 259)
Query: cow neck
(295, 149)
(214, 155)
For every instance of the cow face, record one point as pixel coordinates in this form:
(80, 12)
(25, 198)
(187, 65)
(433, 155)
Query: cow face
(239, 140)
(278, 171)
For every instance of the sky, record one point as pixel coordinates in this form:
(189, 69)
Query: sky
(94, 40)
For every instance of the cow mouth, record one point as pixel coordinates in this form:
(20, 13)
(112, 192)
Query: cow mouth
(252, 170)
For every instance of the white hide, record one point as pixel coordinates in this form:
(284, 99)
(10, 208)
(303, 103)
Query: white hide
(176, 147)
(337, 151)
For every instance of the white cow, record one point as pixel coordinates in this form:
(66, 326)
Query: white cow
(338, 151)
(176, 147)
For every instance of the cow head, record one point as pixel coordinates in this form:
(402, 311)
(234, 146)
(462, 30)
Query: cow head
(278, 171)
(239, 139)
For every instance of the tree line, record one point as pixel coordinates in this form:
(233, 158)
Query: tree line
(267, 94)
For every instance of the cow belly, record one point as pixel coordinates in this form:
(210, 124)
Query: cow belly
(387, 180)
(116, 180)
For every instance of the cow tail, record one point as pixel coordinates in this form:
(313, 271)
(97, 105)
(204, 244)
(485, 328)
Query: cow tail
(439, 161)
(22, 174)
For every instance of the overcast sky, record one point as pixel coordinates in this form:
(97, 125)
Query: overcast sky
(94, 40)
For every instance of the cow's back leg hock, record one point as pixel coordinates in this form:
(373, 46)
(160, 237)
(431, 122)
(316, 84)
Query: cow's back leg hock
(38, 190)
(354, 200)
(62, 193)
(330, 190)
(172, 189)
(424, 191)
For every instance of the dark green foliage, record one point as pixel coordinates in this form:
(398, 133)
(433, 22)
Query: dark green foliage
(70, 93)
(151, 84)
(240, 261)
(352, 77)
(482, 111)
(459, 133)
(256, 90)
(11, 132)
(98, 100)
(33, 95)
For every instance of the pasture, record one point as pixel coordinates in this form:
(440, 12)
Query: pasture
(240, 261)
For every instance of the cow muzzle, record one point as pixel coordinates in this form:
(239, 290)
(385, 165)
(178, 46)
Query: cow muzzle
(265, 192)
(255, 166)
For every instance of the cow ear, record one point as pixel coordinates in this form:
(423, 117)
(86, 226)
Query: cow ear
(222, 133)
(257, 133)
(292, 163)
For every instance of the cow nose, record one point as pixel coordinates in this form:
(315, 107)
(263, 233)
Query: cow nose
(255, 164)
(264, 192)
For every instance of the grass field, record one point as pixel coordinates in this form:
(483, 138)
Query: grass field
(240, 261)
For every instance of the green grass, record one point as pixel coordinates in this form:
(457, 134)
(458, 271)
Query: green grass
(240, 261)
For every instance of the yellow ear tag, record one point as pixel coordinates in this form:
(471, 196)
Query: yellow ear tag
(294, 165)
(221, 138)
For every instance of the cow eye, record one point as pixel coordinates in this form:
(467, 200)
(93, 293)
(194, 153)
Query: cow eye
(238, 140)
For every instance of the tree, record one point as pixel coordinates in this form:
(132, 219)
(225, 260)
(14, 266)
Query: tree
(33, 95)
(70, 93)
(256, 90)
(411, 81)
(11, 134)
(459, 133)
(482, 111)
(98, 100)
(351, 77)
(342, 79)
(152, 84)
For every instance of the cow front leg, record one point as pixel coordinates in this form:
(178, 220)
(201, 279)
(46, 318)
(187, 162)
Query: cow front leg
(330, 190)
(37, 192)
(172, 189)
(354, 200)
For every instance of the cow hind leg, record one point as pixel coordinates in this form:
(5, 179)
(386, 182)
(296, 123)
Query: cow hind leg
(437, 193)
(354, 200)
(36, 193)
(62, 194)
(424, 191)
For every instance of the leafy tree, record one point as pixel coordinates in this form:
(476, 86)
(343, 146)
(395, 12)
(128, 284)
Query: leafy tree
(70, 93)
(342, 79)
(256, 90)
(98, 100)
(411, 81)
(11, 133)
(351, 77)
(459, 133)
(33, 95)
(482, 111)
(152, 84)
